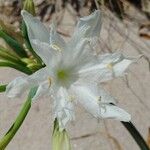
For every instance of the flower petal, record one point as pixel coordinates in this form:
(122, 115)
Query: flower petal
(78, 56)
(114, 112)
(116, 65)
(19, 85)
(56, 41)
(47, 53)
(107, 67)
(43, 90)
(39, 76)
(98, 103)
(64, 110)
(16, 87)
(36, 30)
(92, 21)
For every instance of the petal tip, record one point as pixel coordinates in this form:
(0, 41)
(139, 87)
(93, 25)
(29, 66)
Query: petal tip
(23, 12)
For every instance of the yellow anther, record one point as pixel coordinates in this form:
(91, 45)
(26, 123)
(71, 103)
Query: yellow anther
(49, 81)
(71, 98)
(55, 47)
(99, 99)
(110, 66)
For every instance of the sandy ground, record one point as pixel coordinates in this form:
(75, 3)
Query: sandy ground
(86, 132)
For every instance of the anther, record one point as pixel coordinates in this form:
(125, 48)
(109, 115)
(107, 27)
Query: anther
(56, 47)
(49, 81)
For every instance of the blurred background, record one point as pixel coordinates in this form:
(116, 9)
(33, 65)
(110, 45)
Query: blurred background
(125, 28)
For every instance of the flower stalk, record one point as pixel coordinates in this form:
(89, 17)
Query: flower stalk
(136, 135)
(19, 120)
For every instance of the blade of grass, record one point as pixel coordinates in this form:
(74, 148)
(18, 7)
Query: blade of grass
(19, 120)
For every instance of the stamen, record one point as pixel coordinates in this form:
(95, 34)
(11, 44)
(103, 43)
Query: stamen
(110, 66)
(99, 99)
(49, 81)
(56, 47)
(71, 98)
(101, 104)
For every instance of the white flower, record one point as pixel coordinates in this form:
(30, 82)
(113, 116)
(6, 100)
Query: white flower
(72, 70)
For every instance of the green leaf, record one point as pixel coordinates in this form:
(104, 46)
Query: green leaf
(11, 30)
(7, 55)
(19, 120)
(19, 67)
(18, 49)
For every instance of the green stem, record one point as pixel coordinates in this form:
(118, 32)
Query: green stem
(136, 135)
(19, 67)
(19, 120)
(3, 88)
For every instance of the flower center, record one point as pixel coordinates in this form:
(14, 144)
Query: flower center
(66, 77)
(62, 75)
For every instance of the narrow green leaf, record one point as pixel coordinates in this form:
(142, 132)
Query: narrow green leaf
(4, 63)
(7, 55)
(18, 49)
(19, 120)
(11, 30)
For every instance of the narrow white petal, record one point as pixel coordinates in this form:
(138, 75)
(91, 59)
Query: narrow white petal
(109, 57)
(87, 99)
(64, 110)
(121, 67)
(43, 90)
(92, 21)
(105, 96)
(93, 72)
(38, 76)
(56, 41)
(114, 112)
(98, 103)
(78, 36)
(79, 55)
(116, 65)
(36, 30)
(107, 67)
(17, 87)
(47, 53)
